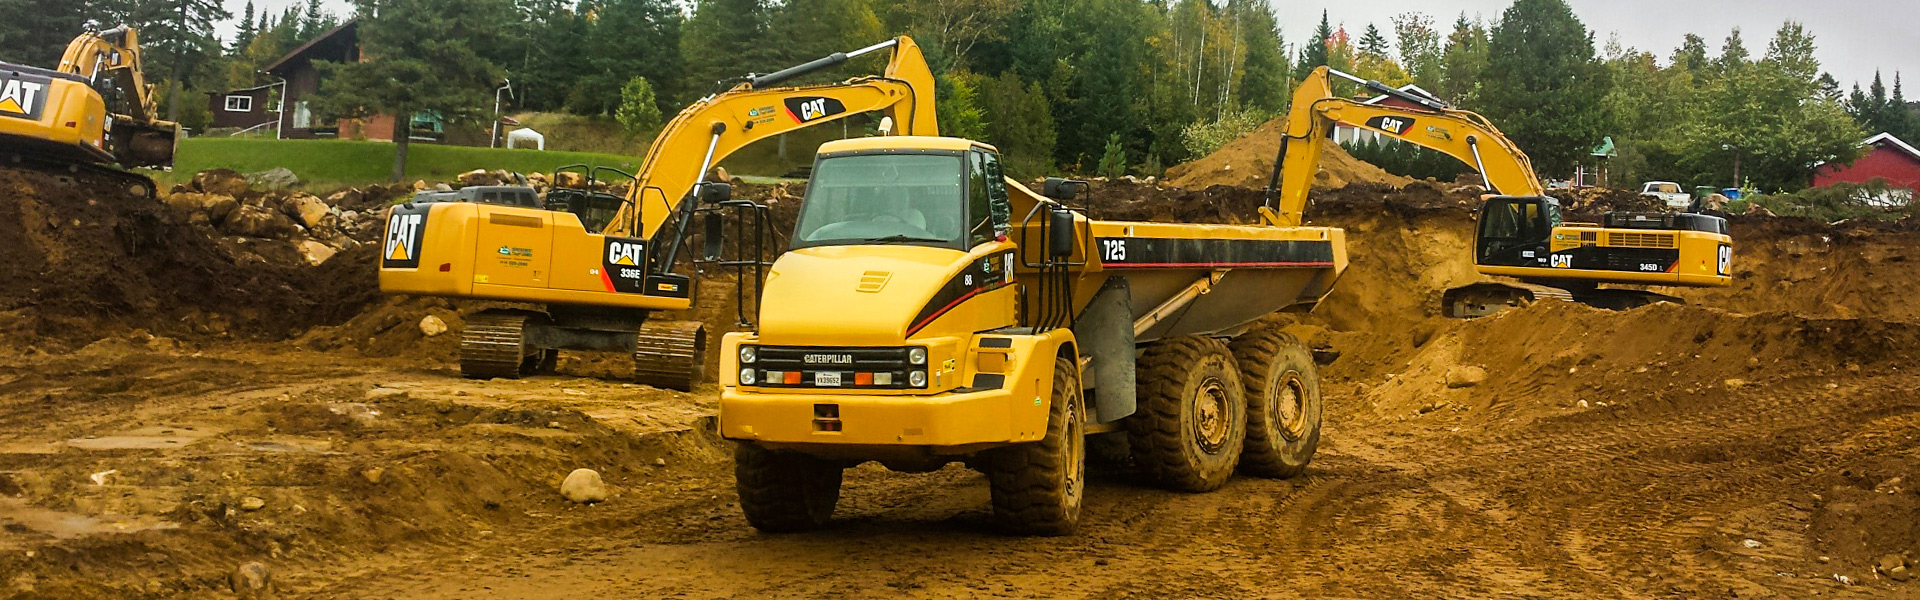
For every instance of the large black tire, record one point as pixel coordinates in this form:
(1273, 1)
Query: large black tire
(784, 491)
(1283, 403)
(1037, 486)
(1190, 422)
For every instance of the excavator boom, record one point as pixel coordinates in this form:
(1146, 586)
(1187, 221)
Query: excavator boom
(94, 109)
(717, 126)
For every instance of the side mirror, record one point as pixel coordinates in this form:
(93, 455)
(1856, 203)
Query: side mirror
(1060, 232)
(716, 192)
(1062, 189)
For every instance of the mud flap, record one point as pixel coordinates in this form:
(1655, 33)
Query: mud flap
(1105, 333)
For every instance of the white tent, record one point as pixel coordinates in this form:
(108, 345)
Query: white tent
(525, 136)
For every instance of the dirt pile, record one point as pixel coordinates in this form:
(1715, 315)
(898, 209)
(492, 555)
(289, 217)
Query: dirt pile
(82, 261)
(1248, 162)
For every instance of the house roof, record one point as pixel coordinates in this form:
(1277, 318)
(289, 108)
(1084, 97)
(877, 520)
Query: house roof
(251, 89)
(345, 29)
(1895, 142)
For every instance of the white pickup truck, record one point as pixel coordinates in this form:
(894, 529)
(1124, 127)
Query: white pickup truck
(1668, 192)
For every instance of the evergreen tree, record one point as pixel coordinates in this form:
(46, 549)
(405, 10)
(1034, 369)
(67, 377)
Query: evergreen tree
(35, 32)
(723, 42)
(629, 38)
(1372, 43)
(1462, 63)
(961, 114)
(314, 22)
(418, 56)
(1020, 124)
(1315, 54)
(177, 43)
(639, 111)
(1544, 86)
(1263, 80)
(247, 30)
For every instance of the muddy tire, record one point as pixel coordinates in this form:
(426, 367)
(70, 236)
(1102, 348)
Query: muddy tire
(784, 491)
(1190, 423)
(1283, 403)
(1037, 486)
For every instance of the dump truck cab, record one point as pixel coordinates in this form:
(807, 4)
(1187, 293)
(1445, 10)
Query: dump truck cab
(899, 282)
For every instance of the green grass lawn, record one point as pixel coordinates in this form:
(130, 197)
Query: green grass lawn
(336, 163)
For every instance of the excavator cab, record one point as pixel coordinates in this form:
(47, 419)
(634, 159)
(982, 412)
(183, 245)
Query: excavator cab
(1516, 231)
(593, 199)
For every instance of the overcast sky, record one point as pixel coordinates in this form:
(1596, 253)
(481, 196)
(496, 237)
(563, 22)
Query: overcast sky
(1855, 37)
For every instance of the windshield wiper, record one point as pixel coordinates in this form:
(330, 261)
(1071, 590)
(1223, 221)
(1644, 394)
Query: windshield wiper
(900, 238)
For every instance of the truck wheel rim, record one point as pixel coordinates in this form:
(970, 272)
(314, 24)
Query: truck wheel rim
(1212, 416)
(1290, 405)
(1076, 450)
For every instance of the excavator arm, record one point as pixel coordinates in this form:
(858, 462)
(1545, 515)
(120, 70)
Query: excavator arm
(719, 125)
(111, 60)
(1436, 126)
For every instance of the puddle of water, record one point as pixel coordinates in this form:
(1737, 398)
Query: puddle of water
(17, 515)
(145, 438)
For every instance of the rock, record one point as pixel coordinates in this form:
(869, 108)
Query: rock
(225, 182)
(569, 179)
(659, 462)
(1887, 563)
(373, 475)
(441, 187)
(420, 185)
(1755, 210)
(1734, 384)
(1465, 376)
(346, 197)
(583, 486)
(431, 326)
(1751, 543)
(252, 503)
(277, 178)
(251, 580)
(381, 393)
(197, 208)
(308, 209)
(254, 221)
(477, 177)
(316, 252)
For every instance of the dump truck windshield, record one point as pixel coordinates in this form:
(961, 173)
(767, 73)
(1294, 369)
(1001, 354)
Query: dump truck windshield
(885, 199)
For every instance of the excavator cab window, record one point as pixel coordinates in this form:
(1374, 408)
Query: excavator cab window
(892, 198)
(1514, 231)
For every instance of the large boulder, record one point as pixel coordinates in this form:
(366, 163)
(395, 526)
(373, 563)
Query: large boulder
(569, 179)
(195, 208)
(308, 210)
(254, 221)
(277, 178)
(479, 177)
(225, 182)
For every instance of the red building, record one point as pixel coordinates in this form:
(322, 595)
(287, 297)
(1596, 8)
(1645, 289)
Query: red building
(1887, 158)
(1349, 134)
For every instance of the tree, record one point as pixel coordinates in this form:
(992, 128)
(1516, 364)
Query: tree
(1113, 160)
(1461, 64)
(1543, 84)
(1315, 54)
(627, 39)
(247, 31)
(723, 41)
(639, 111)
(416, 56)
(960, 114)
(1019, 123)
(1768, 122)
(1419, 49)
(36, 31)
(1372, 43)
(1692, 54)
(1263, 78)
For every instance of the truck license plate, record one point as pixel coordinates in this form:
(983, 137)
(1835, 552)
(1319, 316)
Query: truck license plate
(827, 379)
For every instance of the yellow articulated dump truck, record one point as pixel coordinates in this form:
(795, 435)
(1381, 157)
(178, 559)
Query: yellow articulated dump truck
(930, 310)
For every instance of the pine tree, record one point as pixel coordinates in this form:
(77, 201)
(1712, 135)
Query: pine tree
(629, 38)
(1463, 62)
(247, 31)
(723, 42)
(1543, 84)
(1315, 54)
(1372, 43)
(35, 32)
(1263, 82)
(314, 21)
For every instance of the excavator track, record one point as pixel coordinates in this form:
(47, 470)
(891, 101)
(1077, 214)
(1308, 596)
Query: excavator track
(494, 344)
(1486, 298)
(670, 354)
(87, 173)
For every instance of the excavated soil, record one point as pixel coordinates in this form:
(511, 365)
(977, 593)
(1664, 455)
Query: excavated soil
(1248, 162)
(1761, 441)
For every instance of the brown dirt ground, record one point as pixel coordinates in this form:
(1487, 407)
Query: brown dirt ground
(1763, 441)
(1248, 162)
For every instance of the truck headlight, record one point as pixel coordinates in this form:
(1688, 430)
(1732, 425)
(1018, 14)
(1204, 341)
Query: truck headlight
(747, 376)
(917, 355)
(748, 354)
(917, 378)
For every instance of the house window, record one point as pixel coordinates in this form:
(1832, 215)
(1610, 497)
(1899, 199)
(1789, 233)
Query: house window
(239, 103)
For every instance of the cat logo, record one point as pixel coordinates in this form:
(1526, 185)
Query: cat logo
(625, 254)
(1562, 261)
(1389, 124)
(807, 109)
(403, 236)
(23, 95)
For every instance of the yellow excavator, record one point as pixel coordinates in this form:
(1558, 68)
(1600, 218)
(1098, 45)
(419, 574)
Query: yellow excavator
(1521, 232)
(600, 277)
(93, 111)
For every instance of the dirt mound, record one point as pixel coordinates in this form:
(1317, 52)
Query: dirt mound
(80, 260)
(1248, 162)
